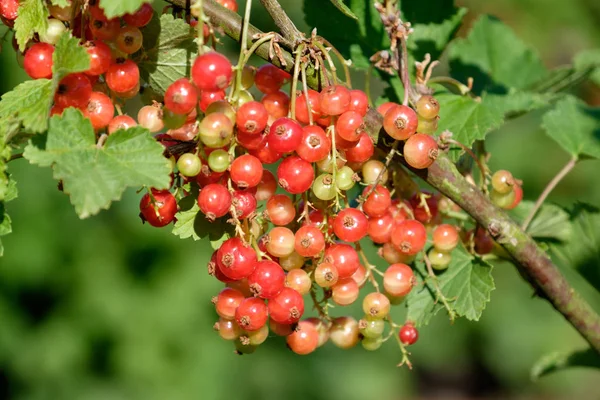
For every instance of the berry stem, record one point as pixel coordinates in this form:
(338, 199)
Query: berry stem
(548, 189)
(462, 88)
(244, 54)
(305, 90)
(299, 50)
(439, 294)
(290, 33)
(370, 267)
(341, 59)
(332, 67)
(199, 11)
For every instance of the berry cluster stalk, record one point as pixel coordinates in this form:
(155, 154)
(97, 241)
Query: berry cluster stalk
(542, 274)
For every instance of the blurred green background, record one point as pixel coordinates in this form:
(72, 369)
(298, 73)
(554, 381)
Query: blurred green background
(106, 308)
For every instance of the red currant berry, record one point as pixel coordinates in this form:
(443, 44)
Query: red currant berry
(269, 78)
(212, 71)
(380, 228)
(420, 150)
(304, 339)
(267, 186)
(376, 305)
(104, 29)
(408, 334)
(350, 225)
(385, 107)
(9, 9)
(445, 237)
(214, 200)
(400, 122)
(295, 175)
(326, 275)
(425, 213)
(428, 107)
(503, 181)
(159, 209)
(120, 122)
(246, 171)
(287, 307)
(398, 280)
(350, 126)
(38, 61)
(345, 292)
(285, 135)
(378, 202)
(252, 118)
(100, 57)
(122, 76)
(181, 97)
(99, 110)
(334, 100)
(74, 90)
(141, 17)
(280, 242)
(299, 280)
(344, 257)
(236, 259)
(359, 102)
(302, 106)
(208, 97)
(344, 332)
(150, 117)
(267, 280)
(277, 104)
(251, 314)
(280, 209)
(409, 237)
(309, 241)
(244, 203)
(129, 39)
(265, 153)
(518, 196)
(315, 145)
(362, 150)
(227, 301)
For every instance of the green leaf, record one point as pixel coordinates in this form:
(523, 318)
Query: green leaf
(582, 252)
(169, 51)
(190, 221)
(468, 119)
(339, 4)
(516, 102)
(93, 176)
(119, 8)
(589, 60)
(5, 225)
(32, 18)
(575, 127)
(434, 23)
(219, 232)
(559, 361)
(432, 38)
(493, 55)
(551, 222)
(30, 101)
(467, 284)
(69, 57)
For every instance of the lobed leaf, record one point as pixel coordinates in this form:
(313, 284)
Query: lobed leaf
(30, 101)
(551, 222)
(582, 252)
(119, 8)
(494, 55)
(169, 51)
(467, 284)
(32, 18)
(575, 127)
(93, 176)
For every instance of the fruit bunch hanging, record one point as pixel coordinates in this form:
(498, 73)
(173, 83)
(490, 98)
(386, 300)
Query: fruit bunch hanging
(308, 204)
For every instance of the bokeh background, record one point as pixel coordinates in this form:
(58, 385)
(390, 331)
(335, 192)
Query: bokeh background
(106, 308)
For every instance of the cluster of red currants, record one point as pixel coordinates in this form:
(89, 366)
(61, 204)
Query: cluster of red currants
(287, 244)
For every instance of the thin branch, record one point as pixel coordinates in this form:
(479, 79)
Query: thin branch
(549, 188)
(443, 176)
(292, 36)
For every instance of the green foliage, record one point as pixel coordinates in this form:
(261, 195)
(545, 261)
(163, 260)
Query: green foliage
(575, 127)
(559, 361)
(589, 61)
(30, 101)
(60, 3)
(190, 221)
(339, 4)
(32, 18)
(493, 55)
(582, 252)
(93, 176)
(467, 284)
(169, 51)
(551, 222)
(119, 8)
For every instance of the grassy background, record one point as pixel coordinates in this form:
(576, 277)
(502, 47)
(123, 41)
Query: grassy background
(106, 308)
